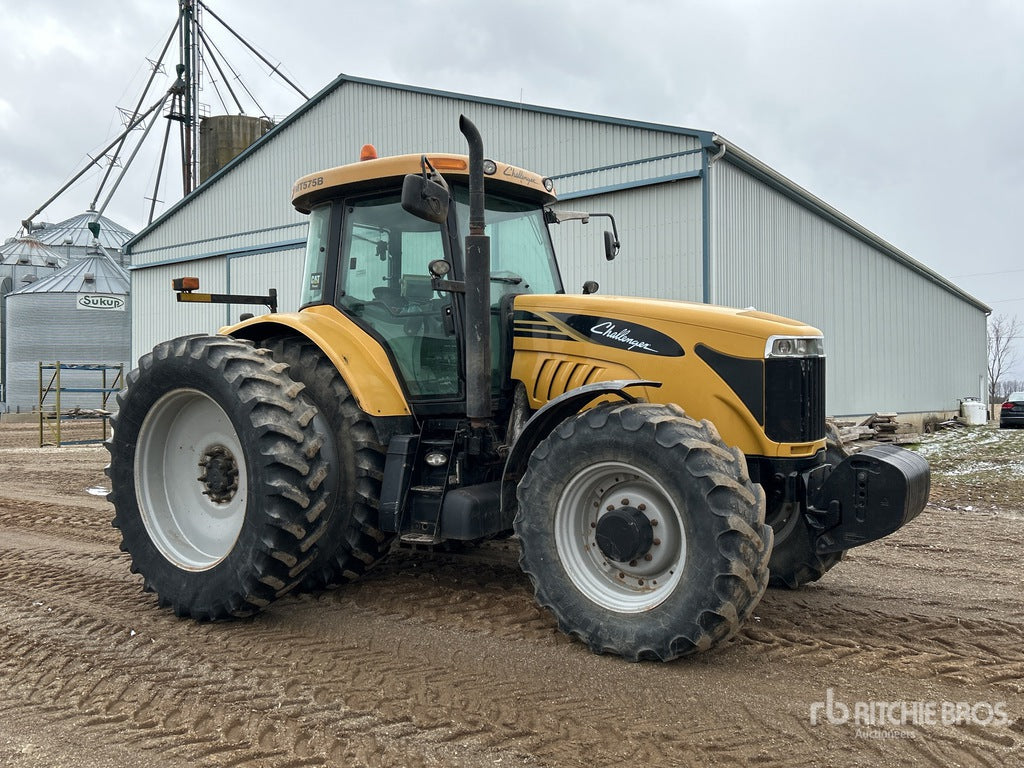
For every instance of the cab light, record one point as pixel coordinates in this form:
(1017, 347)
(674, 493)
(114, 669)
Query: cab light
(490, 167)
(449, 163)
(368, 152)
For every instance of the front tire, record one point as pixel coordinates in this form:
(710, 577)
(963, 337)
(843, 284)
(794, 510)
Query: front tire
(221, 484)
(794, 561)
(641, 531)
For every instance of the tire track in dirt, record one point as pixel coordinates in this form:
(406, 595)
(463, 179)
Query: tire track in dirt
(79, 523)
(425, 703)
(57, 589)
(108, 680)
(978, 652)
(483, 592)
(363, 678)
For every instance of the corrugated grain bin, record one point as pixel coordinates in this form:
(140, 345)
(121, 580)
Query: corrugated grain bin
(80, 314)
(23, 260)
(72, 239)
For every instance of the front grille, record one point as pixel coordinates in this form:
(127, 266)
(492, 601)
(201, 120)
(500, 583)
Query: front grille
(794, 391)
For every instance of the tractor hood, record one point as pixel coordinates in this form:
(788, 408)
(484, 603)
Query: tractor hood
(658, 327)
(772, 368)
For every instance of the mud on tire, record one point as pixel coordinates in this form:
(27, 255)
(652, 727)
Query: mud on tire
(682, 558)
(221, 479)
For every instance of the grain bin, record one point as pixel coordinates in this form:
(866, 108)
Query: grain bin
(222, 138)
(23, 260)
(80, 314)
(72, 239)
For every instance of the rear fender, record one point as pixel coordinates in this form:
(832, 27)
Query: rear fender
(544, 421)
(360, 360)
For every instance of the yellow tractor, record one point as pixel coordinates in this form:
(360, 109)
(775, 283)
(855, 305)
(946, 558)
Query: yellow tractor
(659, 462)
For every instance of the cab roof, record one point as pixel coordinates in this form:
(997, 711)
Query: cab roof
(386, 172)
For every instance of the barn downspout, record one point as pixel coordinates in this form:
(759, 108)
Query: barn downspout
(705, 173)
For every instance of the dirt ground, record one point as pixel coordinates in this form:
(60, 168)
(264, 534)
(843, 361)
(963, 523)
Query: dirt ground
(910, 653)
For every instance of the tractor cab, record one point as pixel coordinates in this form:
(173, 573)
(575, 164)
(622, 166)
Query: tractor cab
(398, 275)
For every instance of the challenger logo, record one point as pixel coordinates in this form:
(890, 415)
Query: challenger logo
(609, 330)
(606, 331)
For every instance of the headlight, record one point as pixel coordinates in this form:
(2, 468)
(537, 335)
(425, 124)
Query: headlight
(795, 346)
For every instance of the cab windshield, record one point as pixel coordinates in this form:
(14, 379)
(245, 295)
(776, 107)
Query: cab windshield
(521, 252)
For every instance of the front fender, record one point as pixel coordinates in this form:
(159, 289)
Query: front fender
(544, 421)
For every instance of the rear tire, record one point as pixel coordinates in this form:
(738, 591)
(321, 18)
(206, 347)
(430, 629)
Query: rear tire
(353, 541)
(693, 561)
(221, 484)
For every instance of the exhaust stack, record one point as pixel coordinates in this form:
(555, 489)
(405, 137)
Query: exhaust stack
(478, 284)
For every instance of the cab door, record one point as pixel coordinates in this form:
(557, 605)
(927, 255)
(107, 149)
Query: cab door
(384, 285)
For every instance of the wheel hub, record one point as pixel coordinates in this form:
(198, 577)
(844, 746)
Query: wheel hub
(624, 534)
(218, 472)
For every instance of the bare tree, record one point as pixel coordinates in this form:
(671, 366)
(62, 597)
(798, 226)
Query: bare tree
(1003, 331)
(1009, 386)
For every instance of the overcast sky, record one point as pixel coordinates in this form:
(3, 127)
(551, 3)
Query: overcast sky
(905, 115)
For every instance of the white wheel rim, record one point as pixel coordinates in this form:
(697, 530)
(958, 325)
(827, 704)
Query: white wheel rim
(633, 587)
(193, 520)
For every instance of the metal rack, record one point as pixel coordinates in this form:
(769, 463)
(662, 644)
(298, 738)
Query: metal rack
(51, 414)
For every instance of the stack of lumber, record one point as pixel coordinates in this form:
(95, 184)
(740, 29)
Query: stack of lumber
(879, 427)
(888, 430)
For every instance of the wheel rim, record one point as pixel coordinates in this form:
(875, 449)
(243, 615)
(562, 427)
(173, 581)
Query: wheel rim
(642, 583)
(190, 479)
(785, 521)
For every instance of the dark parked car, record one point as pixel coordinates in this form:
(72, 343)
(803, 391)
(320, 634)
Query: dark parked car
(1012, 412)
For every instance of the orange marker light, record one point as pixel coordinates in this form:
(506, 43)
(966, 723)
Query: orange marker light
(449, 163)
(368, 152)
(185, 284)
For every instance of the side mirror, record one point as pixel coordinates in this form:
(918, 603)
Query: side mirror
(425, 199)
(611, 244)
(590, 287)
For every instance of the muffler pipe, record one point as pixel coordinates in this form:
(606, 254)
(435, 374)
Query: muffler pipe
(478, 285)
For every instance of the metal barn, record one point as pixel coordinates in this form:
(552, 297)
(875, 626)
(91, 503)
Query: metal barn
(699, 219)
